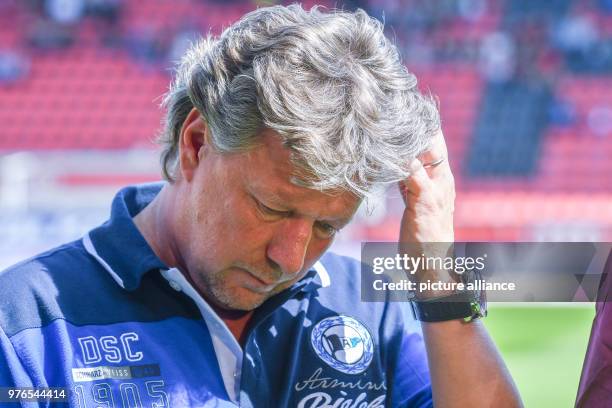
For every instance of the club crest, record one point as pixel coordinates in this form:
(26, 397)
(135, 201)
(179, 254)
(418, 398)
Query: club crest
(343, 343)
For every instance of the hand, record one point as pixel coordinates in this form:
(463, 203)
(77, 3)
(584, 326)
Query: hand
(429, 195)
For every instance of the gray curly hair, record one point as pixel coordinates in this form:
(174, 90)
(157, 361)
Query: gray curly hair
(329, 83)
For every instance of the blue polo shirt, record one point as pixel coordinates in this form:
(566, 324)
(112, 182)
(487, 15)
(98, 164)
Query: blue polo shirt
(106, 319)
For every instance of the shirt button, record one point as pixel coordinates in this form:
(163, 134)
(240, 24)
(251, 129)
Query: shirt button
(175, 286)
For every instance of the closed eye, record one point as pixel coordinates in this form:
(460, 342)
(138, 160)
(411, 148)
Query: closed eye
(264, 209)
(325, 230)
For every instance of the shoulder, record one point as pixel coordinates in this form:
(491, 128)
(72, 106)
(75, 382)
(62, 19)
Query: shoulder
(346, 290)
(342, 269)
(62, 252)
(30, 290)
(350, 289)
(55, 264)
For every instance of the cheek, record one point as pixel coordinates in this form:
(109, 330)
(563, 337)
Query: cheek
(228, 230)
(243, 224)
(315, 251)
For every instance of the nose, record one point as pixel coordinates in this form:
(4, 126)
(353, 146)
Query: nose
(288, 246)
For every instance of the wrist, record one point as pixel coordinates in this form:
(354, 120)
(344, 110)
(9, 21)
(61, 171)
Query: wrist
(444, 305)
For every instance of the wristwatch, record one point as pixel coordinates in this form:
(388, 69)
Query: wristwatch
(468, 305)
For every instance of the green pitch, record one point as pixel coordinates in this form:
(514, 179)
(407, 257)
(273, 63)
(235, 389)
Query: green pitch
(544, 349)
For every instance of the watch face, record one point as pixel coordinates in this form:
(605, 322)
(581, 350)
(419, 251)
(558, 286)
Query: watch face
(479, 306)
(479, 302)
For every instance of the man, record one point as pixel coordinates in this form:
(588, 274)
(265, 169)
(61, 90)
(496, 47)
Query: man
(214, 288)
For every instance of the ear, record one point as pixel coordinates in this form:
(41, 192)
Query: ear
(193, 138)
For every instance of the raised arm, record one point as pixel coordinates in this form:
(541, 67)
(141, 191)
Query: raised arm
(466, 368)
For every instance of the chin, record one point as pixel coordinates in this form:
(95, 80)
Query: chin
(239, 299)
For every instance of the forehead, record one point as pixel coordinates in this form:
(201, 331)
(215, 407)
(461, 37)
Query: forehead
(268, 170)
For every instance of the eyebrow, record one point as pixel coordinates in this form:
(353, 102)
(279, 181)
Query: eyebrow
(270, 197)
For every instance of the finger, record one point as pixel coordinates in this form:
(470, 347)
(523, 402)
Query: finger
(434, 163)
(437, 149)
(440, 172)
(419, 180)
(435, 168)
(442, 177)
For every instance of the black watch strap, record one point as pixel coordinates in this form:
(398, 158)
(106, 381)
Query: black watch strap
(460, 305)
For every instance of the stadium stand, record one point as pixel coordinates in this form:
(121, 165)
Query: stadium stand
(530, 137)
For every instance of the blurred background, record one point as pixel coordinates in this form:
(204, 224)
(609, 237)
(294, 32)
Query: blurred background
(525, 91)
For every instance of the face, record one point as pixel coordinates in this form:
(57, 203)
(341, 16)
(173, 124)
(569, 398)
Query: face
(246, 232)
